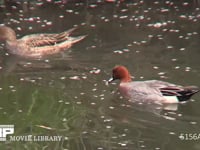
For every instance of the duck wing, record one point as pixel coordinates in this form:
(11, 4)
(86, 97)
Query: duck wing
(167, 89)
(39, 40)
(182, 93)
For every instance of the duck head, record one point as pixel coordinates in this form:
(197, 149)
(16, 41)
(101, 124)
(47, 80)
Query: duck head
(7, 34)
(120, 73)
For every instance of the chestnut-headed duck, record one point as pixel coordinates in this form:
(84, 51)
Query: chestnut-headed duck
(152, 90)
(37, 45)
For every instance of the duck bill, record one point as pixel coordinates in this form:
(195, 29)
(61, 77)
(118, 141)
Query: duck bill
(111, 80)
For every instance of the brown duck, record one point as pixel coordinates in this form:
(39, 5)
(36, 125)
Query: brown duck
(37, 45)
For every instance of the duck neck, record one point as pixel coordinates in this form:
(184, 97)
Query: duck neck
(127, 79)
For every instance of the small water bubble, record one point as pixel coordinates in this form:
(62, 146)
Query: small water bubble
(185, 4)
(124, 10)
(107, 120)
(102, 117)
(78, 103)
(69, 11)
(92, 5)
(182, 49)
(111, 107)
(163, 77)
(157, 25)
(108, 127)
(123, 135)
(82, 93)
(31, 19)
(195, 33)
(126, 50)
(60, 101)
(187, 38)
(19, 28)
(164, 30)
(183, 16)
(155, 67)
(63, 78)
(123, 17)
(137, 25)
(46, 60)
(93, 25)
(172, 133)
(118, 52)
(187, 68)
(93, 103)
(123, 144)
(170, 47)
(161, 73)
(11, 86)
(67, 103)
(93, 46)
(150, 36)
(137, 51)
(94, 90)
(180, 37)
(106, 20)
(95, 71)
(61, 16)
(164, 10)
(179, 115)
(189, 34)
(142, 146)
(83, 23)
(174, 59)
(143, 42)
(74, 78)
(177, 67)
(49, 23)
(193, 122)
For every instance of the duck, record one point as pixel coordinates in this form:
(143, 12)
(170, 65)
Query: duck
(37, 45)
(151, 91)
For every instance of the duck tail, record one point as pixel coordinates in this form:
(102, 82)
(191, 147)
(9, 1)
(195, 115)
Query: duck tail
(69, 32)
(187, 92)
(64, 35)
(71, 41)
(77, 39)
